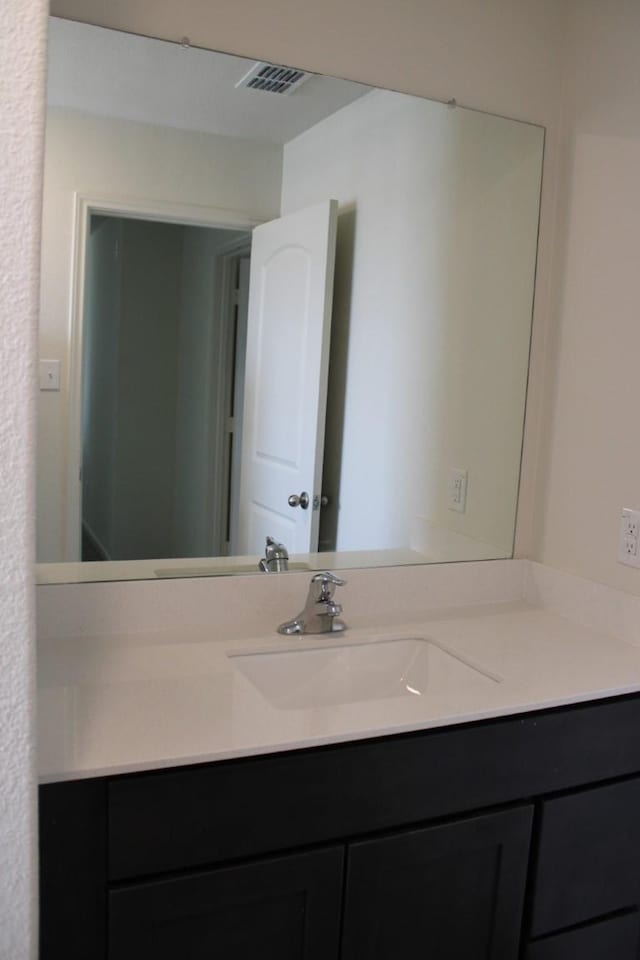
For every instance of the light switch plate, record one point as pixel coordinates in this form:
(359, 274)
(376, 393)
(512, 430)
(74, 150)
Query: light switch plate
(49, 374)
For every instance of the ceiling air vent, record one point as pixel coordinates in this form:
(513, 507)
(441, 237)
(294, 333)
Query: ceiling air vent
(273, 79)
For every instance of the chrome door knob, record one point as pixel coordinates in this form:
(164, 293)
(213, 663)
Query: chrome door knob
(299, 501)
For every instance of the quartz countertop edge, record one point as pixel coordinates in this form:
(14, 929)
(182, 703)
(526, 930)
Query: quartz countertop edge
(149, 701)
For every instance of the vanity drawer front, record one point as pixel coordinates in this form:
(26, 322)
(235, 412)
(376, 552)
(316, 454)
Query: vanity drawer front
(616, 939)
(589, 856)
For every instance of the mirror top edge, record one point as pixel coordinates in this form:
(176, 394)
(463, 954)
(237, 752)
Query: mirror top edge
(189, 44)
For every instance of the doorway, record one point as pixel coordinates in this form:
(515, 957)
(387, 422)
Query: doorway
(164, 334)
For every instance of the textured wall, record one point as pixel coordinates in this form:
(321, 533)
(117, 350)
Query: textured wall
(22, 34)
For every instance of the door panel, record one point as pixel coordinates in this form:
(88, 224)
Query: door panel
(291, 286)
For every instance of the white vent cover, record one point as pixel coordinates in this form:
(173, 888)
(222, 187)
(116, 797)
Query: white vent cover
(272, 78)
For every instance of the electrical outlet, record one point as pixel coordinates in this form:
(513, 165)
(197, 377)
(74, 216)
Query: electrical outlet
(629, 537)
(457, 495)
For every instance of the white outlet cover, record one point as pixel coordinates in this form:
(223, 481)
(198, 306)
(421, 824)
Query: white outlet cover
(457, 491)
(629, 537)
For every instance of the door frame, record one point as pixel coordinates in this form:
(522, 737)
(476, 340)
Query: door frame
(226, 375)
(140, 208)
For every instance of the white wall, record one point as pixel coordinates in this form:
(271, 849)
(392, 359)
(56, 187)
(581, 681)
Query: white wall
(592, 418)
(22, 52)
(434, 284)
(120, 159)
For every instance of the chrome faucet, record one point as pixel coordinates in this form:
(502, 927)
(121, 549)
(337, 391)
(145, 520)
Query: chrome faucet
(276, 557)
(321, 612)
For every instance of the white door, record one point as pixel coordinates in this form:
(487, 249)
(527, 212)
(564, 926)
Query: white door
(290, 295)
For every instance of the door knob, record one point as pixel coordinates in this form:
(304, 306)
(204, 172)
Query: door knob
(299, 501)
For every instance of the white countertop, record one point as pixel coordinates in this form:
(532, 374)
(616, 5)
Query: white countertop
(151, 699)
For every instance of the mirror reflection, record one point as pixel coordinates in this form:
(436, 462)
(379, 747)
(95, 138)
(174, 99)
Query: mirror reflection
(275, 304)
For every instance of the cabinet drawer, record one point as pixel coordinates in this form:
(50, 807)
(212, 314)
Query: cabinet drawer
(616, 939)
(589, 856)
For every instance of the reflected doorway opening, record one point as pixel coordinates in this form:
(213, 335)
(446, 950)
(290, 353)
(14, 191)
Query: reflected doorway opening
(164, 311)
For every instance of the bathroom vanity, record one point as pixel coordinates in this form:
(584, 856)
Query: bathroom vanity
(497, 818)
(464, 842)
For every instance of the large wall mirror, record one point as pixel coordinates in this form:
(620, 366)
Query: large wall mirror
(274, 304)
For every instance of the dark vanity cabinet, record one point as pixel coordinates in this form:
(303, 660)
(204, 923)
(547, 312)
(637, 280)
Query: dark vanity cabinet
(499, 840)
(457, 889)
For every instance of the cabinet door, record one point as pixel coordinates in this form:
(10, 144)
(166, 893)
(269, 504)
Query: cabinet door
(451, 892)
(286, 908)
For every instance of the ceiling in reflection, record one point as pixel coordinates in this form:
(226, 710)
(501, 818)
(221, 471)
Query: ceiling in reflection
(136, 78)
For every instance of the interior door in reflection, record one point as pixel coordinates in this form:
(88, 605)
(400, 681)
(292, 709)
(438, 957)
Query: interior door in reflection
(287, 363)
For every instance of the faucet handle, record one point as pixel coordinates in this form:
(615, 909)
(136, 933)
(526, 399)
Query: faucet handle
(324, 585)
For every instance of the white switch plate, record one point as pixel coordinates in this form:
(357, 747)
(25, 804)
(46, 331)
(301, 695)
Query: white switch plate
(457, 493)
(49, 374)
(629, 537)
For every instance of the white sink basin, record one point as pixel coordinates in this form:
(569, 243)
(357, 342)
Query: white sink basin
(303, 678)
